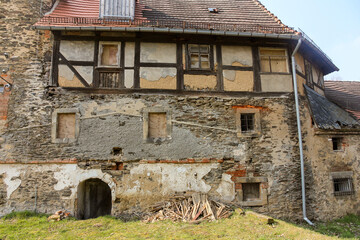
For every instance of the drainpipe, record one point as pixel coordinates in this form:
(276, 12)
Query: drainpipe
(299, 132)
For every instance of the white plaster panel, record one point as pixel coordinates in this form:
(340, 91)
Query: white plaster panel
(129, 54)
(85, 72)
(276, 83)
(158, 52)
(129, 78)
(237, 55)
(173, 178)
(65, 72)
(154, 74)
(77, 50)
(226, 188)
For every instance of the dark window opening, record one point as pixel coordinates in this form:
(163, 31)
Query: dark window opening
(251, 191)
(247, 122)
(309, 74)
(94, 199)
(337, 143)
(199, 57)
(116, 151)
(343, 186)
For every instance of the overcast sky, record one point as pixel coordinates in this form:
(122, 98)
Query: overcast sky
(333, 25)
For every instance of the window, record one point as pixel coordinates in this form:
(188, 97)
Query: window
(247, 121)
(199, 57)
(251, 191)
(117, 9)
(156, 124)
(2, 87)
(343, 186)
(65, 125)
(337, 143)
(109, 54)
(309, 74)
(273, 60)
(343, 183)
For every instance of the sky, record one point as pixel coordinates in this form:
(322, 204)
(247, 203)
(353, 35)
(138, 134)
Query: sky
(333, 25)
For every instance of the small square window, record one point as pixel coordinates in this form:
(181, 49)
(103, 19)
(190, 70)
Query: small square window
(156, 124)
(343, 186)
(273, 60)
(247, 122)
(251, 191)
(337, 143)
(65, 125)
(199, 57)
(109, 54)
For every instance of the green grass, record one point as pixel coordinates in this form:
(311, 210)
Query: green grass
(27, 225)
(346, 227)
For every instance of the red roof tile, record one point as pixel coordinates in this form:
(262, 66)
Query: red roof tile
(246, 15)
(346, 94)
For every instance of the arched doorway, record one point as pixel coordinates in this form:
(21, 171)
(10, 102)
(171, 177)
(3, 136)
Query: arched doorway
(94, 199)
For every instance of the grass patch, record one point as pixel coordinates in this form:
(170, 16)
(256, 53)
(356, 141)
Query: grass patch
(27, 225)
(346, 227)
(23, 215)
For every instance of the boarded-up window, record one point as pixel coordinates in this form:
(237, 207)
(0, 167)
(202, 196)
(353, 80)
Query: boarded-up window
(199, 56)
(109, 55)
(251, 191)
(157, 125)
(66, 125)
(273, 60)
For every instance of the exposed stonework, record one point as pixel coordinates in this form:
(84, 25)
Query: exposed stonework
(204, 151)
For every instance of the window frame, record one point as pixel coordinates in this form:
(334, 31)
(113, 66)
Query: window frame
(54, 125)
(348, 176)
(286, 57)
(256, 120)
(210, 57)
(146, 124)
(263, 191)
(101, 44)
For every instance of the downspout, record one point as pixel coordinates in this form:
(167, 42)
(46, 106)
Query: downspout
(299, 132)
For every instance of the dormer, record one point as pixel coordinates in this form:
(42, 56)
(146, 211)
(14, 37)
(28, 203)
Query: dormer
(117, 9)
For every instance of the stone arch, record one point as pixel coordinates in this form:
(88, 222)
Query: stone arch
(93, 199)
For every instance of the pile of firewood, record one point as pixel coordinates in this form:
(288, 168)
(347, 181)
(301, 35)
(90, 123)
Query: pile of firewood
(58, 216)
(194, 209)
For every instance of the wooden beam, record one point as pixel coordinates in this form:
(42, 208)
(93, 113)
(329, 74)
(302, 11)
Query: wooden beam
(122, 65)
(55, 62)
(78, 63)
(163, 65)
(237, 68)
(137, 64)
(82, 80)
(179, 66)
(96, 74)
(220, 80)
(256, 66)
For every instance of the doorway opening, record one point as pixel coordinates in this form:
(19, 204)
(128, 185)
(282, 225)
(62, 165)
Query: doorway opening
(94, 199)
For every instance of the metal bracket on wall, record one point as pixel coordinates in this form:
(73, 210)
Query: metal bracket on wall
(8, 86)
